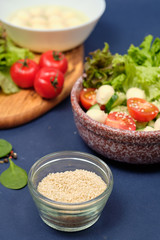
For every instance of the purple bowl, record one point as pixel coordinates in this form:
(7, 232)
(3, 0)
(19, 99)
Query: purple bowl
(138, 147)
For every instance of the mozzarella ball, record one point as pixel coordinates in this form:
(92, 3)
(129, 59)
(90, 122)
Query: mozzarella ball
(52, 10)
(35, 11)
(45, 17)
(157, 124)
(104, 93)
(135, 92)
(97, 115)
(148, 128)
(22, 15)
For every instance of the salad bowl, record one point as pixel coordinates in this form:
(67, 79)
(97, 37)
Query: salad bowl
(136, 147)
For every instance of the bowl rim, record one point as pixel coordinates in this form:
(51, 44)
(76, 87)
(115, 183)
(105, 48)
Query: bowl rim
(48, 30)
(91, 124)
(90, 21)
(58, 204)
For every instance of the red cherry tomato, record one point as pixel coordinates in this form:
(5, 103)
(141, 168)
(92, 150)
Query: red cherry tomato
(88, 97)
(120, 120)
(23, 72)
(49, 82)
(141, 110)
(54, 59)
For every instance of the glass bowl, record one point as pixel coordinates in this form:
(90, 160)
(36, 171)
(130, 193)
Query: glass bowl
(69, 216)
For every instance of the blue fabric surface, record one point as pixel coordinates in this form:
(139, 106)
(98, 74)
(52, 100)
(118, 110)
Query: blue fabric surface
(133, 209)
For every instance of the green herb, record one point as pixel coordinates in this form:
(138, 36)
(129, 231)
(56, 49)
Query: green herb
(14, 177)
(5, 148)
(9, 54)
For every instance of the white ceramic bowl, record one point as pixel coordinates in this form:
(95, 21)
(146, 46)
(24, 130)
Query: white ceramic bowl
(40, 40)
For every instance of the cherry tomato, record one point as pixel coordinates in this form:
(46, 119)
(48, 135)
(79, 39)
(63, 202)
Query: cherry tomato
(120, 120)
(23, 72)
(49, 82)
(88, 97)
(141, 110)
(54, 59)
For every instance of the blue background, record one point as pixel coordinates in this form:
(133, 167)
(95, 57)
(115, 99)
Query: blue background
(133, 209)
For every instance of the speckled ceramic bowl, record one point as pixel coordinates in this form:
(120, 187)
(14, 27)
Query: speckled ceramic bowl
(121, 145)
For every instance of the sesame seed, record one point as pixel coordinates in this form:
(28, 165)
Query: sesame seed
(72, 186)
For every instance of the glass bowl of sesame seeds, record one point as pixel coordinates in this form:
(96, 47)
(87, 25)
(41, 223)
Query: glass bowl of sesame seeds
(70, 189)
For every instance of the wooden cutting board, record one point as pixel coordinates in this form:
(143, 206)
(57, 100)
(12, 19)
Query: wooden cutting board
(26, 105)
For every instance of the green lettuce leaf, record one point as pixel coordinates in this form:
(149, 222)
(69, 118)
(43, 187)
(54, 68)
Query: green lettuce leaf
(98, 67)
(155, 52)
(142, 55)
(140, 67)
(9, 54)
(118, 82)
(6, 83)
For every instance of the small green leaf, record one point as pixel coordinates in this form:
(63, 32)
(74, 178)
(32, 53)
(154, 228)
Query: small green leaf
(5, 148)
(14, 177)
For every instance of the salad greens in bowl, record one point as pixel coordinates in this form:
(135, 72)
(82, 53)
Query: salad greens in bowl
(116, 103)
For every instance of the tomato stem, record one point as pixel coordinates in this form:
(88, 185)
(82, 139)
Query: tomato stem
(24, 62)
(56, 56)
(54, 82)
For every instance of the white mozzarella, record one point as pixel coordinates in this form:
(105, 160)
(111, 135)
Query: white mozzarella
(104, 93)
(97, 115)
(157, 124)
(148, 128)
(135, 92)
(48, 17)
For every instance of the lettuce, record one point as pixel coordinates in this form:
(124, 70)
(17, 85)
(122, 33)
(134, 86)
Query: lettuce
(9, 54)
(6, 83)
(140, 67)
(146, 78)
(98, 68)
(147, 54)
(141, 55)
